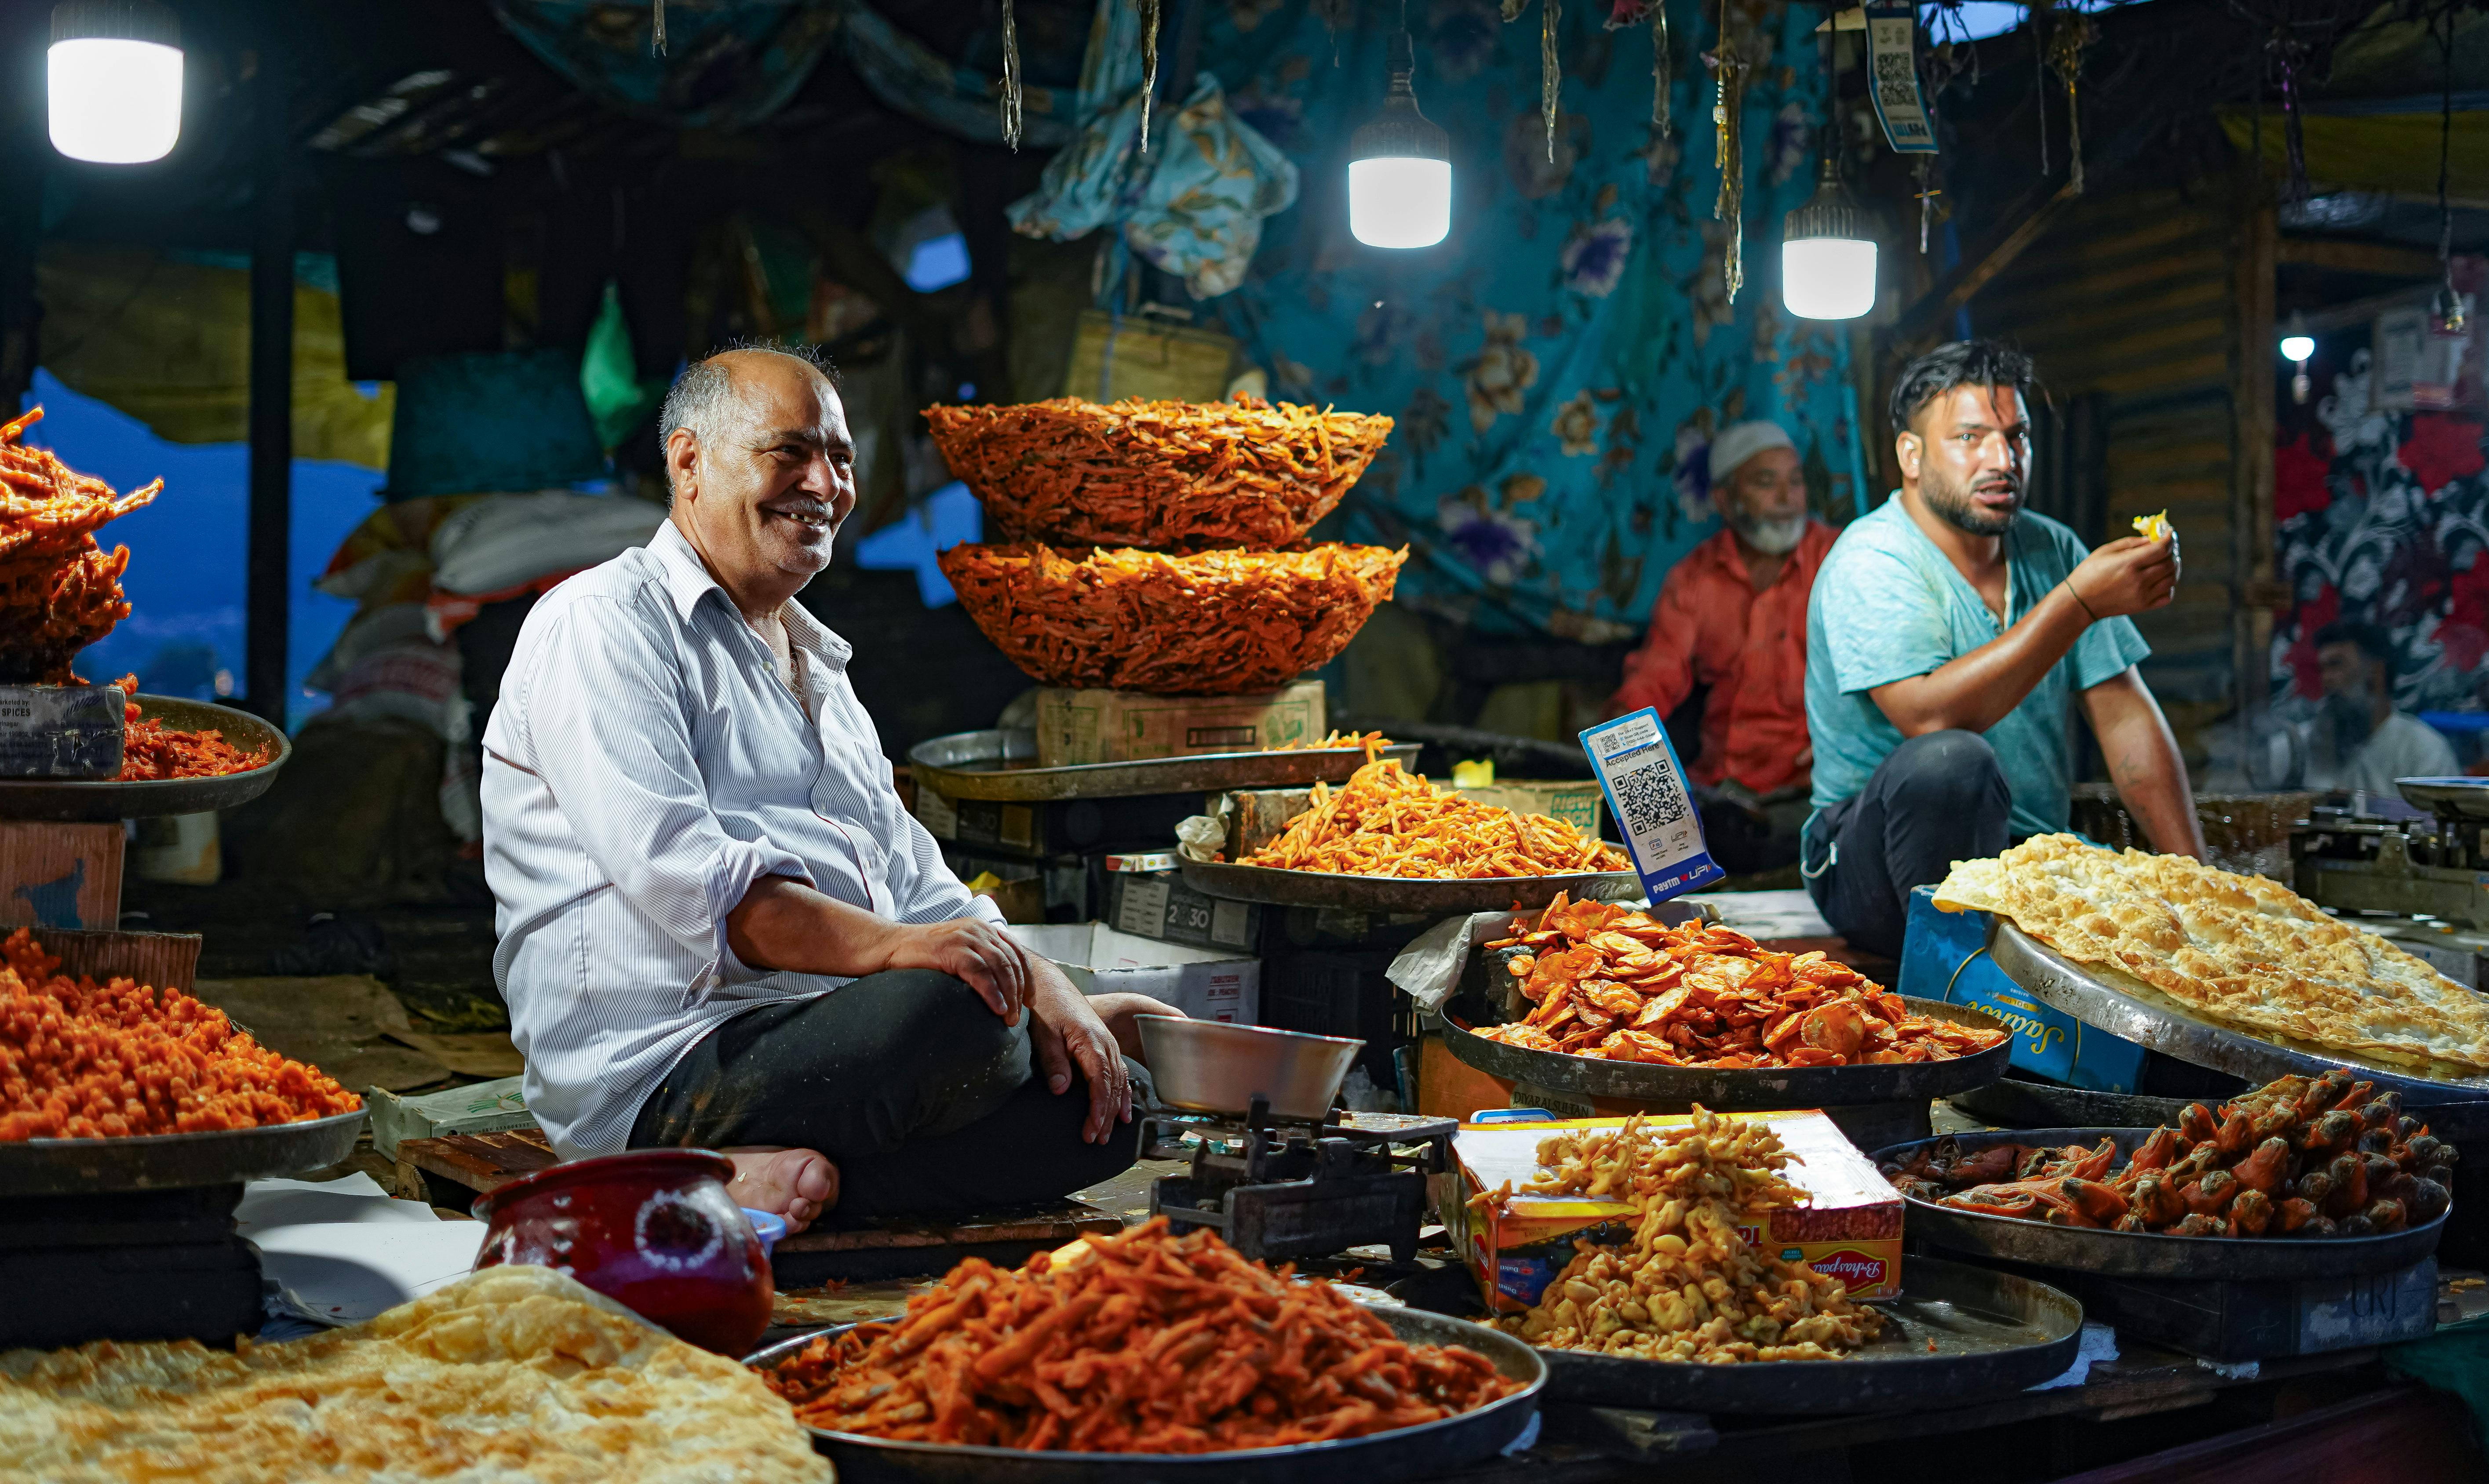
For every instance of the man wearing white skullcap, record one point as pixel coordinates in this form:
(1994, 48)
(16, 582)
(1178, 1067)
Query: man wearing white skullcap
(1733, 617)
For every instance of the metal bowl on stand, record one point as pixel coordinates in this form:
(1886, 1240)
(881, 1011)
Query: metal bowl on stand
(1214, 1066)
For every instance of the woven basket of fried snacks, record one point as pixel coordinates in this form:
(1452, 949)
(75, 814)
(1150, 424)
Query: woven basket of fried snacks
(60, 590)
(1161, 475)
(1215, 623)
(1145, 1349)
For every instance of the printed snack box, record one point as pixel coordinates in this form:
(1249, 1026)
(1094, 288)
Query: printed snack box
(1851, 1229)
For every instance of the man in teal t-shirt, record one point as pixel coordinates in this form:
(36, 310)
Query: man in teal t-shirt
(1948, 634)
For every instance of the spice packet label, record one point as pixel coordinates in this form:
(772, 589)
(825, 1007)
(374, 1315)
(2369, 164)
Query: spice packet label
(1637, 768)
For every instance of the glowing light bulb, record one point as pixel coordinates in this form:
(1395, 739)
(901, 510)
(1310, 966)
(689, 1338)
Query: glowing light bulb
(1828, 259)
(1400, 168)
(2297, 347)
(113, 80)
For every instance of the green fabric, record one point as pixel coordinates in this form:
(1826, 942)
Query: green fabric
(2455, 1359)
(617, 399)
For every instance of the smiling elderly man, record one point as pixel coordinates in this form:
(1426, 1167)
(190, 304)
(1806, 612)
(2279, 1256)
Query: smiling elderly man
(718, 925)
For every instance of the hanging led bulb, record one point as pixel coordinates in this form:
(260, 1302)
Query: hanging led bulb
(1828, 259)
(2296, 345)
(114, 80)
(1400, 167)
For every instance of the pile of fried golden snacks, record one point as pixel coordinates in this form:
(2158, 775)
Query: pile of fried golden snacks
(2325, 1157)
(1386, 821)
(1369, 740)
(59, 592)
(1157, 474)
(1609, 982)
(1688, 1287)
(153, 751)
(82, 1061)
(1216, 623)
(1134, 1343)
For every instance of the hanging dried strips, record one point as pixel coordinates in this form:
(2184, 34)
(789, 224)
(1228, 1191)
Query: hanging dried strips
(1728, 114)
(2067, 40)
(1551, 71)
(1157, 474)
(1218, 623)
(1011, 100)
(1660, 68)
(1149, 10)
(59, 590)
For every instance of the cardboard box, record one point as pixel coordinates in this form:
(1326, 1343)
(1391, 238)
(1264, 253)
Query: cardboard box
(1944, 958)
(61, 731)
(1204, 984)
(1078, 726)
(1851, 1230)
(1576, 801)
(1158, 905)
(55, 874)
(486, 1108)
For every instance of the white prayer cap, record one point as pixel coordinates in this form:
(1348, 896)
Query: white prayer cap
(1742, 442)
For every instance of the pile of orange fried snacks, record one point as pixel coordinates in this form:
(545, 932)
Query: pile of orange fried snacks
(1134, 1343)
(1216, 623)
(1607, 982)
(1369, 740)
(1157, 474)
(1390, 822)
(154, 751)
(59, 592)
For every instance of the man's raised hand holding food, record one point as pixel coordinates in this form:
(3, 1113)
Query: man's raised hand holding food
(1947, 634)
(718, 925)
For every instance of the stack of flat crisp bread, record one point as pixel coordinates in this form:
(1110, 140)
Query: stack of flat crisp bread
(2240, 950)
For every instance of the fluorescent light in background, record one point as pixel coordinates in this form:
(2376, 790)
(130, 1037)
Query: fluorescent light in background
(1399, 201)
(1829, 277)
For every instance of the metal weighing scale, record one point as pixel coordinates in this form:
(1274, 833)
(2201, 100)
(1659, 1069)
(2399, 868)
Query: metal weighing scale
(2423, 884)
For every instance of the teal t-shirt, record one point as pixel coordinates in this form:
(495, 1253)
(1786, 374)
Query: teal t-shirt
(1888, 606)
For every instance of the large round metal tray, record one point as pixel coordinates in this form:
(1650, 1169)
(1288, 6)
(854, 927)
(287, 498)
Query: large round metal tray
(2146, 1254)
(165, 1161)
(2152, 1021)
(1409, 1452)
(2466, 798)
(1396, 894)
(1957, 1333)
(1751, 1089)
(107, 800)
(1002, 766)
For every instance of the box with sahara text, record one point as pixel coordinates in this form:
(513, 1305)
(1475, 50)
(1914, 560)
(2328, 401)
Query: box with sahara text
(1850, 1228)
(1647, 797)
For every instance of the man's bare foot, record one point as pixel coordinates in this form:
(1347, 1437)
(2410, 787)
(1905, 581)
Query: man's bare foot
(796, 1183)
(1118, 1011)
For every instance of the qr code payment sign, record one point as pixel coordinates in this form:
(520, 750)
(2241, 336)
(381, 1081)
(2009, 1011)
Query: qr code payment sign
(1654, 807)
(1649, 798)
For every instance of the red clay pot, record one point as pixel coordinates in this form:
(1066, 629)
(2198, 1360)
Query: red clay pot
(653, 1229)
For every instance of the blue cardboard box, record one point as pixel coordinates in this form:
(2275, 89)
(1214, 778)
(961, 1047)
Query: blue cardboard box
(1944, 957)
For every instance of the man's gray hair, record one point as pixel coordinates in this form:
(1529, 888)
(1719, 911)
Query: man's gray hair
(698, 398)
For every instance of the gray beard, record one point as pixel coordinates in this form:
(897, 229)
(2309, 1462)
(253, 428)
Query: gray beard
(1772, 538)
(1956, 508)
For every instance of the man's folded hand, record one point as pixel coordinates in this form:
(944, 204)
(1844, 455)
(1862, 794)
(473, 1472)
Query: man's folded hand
(971, 950)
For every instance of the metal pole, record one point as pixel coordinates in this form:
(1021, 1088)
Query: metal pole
(272, 393)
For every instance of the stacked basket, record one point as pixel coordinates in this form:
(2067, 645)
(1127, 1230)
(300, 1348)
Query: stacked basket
(1160, 546)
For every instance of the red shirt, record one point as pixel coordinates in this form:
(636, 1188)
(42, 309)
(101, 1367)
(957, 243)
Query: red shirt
(1711, 627)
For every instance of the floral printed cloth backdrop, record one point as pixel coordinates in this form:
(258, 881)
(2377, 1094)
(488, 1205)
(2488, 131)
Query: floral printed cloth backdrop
(2384, 517)
(1558, 364)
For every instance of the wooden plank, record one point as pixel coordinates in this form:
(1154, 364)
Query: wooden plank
(2408, 1434)
(1051, 1224)
(163, 960)
(2251, 396)
(2197, 277)
(1956, 288)
(2199, 498)
(2132, 449)
(2204, 369)
(2077, 250)
(2390, 260)
(482, 1163)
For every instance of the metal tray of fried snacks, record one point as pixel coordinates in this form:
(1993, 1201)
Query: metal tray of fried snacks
(1409, 1452)
(101, 801)
(1002, 766)
(167, 1162)
(2011, 1103)
(2144, 1254)
(1749, 1088)
(1955, 1333)
(1432, 895)
(2136, 1012)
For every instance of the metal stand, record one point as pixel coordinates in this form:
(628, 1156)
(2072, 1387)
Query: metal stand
(1277, 1191)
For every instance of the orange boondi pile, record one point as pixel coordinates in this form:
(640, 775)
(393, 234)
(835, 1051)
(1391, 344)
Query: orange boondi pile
(1390, 822)
(154, 751)
(1369, 740)
(1157, 474)
(1135, 1343)
(1607, 982)
(82, 1061)
(1216, 623)
(59, 592)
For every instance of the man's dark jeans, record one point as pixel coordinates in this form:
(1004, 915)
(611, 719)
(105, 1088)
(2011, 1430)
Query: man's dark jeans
(1937, 799)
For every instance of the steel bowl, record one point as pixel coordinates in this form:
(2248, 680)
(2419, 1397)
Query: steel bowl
(1216, 1067)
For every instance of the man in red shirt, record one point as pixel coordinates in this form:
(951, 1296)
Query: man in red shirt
(1733, 617)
